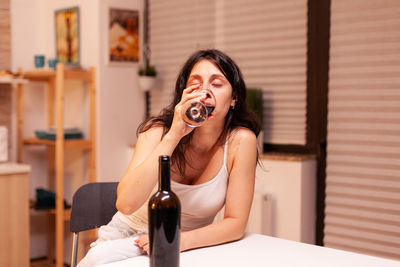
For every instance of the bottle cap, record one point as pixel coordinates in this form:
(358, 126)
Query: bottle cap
(164, 158)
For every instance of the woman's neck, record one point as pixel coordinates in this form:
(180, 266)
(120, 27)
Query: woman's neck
(205, 137)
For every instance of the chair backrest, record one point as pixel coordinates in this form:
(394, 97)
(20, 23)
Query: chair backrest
(93, 205)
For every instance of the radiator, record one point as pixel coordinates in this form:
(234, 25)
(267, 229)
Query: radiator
(260, 218)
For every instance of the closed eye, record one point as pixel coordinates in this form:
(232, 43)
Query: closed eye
(216, 85)
(194, 83)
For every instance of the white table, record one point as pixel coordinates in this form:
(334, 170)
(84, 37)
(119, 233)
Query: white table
(259, 250)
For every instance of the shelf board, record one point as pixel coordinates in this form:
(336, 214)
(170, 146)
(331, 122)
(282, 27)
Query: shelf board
(39, 75)
(47, 74)
(67, 212)
(79, 144)
(78, 74)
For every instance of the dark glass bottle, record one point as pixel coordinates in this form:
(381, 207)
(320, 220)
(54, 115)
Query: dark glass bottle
(164, 221)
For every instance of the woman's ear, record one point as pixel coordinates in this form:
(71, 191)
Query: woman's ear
(233, 101)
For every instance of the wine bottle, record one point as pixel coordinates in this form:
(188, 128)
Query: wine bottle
(164, 221)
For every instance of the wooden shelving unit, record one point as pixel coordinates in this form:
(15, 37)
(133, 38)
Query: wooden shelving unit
(56, 148)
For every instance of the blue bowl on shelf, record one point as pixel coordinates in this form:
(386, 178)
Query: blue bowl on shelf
(52, 63)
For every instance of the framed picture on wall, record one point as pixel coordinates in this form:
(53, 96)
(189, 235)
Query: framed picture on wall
(123, 36)
(67, 35)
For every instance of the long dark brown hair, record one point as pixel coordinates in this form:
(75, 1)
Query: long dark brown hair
(240, 116)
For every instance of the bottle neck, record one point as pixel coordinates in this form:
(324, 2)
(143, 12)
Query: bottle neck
(164, 176)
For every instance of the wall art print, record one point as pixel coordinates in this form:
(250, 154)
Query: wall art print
(67, 35)
(123, 35)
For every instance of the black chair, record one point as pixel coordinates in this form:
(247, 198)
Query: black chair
(93, 205)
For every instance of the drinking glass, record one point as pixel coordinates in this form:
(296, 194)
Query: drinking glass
(195, 112)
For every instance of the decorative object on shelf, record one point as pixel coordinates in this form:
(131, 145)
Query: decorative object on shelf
(148, 70)
(52, 63)
(6, 73)
(254, 100)
(46, 199)
(67, 35)
(69, 133)
(123, 36)
(8, 77)
(147, 78)
(39, 61)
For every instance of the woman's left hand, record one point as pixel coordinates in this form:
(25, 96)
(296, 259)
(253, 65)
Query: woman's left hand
(143, 242)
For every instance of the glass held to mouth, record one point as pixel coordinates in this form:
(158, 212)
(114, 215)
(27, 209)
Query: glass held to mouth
(196, 112)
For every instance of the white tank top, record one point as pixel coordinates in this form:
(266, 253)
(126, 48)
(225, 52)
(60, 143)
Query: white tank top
(199, 203)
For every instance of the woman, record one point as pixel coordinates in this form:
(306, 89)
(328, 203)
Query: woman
(211, 166)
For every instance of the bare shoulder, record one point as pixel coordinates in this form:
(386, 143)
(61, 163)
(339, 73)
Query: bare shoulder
(146, 143)
(243, 137)
(150, 138)
(242, 147)
(155, 132)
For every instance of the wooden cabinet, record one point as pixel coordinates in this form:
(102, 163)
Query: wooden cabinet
(290, 182)
(14, 215)
(56, 149)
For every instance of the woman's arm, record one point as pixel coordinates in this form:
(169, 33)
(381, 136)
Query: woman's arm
(141, 176)
(238, 200)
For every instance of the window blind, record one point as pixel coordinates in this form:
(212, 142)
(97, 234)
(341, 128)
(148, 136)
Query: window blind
(176, 29)
(267, 38)
(362, 211)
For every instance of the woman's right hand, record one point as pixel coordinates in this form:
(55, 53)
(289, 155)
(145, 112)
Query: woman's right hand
(179, 128)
